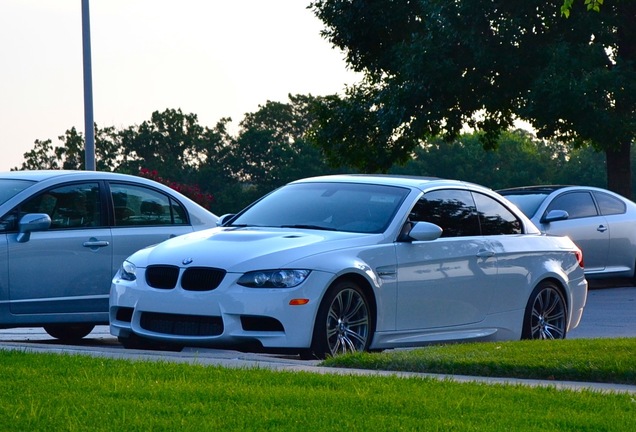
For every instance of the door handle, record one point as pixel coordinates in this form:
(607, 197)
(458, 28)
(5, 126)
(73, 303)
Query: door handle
(95, 243)
(485, 253)
(601, 228)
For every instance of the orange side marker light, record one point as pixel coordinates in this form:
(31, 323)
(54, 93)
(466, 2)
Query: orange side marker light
(298, 302)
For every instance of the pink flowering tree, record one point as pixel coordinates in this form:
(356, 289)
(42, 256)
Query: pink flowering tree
(193, 192)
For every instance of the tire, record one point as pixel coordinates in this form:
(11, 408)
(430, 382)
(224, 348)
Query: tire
(546, 313)
(69, 332)
(344, 323)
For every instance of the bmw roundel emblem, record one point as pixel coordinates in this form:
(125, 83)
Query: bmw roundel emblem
(187, 261)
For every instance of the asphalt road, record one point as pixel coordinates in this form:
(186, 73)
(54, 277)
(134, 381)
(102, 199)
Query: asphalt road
(609, 313)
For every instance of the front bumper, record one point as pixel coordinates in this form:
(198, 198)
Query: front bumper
(230, 314)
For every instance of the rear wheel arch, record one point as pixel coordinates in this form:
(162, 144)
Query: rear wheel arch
(547, 311)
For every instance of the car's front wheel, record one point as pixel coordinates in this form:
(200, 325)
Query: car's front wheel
(69, 332)
(344, 322)
(546, 313)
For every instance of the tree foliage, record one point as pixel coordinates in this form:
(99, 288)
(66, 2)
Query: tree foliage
(591, 5)
(226, 172)
(520, 160)
(433, 67)
(269, 150)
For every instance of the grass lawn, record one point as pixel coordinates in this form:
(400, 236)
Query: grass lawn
(587, 360)
(52, 392)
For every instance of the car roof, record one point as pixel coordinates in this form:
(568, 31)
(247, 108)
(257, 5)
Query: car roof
(417, 182)
(34, 175)
(545, 189)
(41, 175)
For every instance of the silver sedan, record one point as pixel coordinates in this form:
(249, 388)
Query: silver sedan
(600, 222)
(63, 234)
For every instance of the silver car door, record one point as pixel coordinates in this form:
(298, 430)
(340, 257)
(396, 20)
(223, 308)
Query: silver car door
(445, 282)
(67, 268)
(4, 270)
(585, 226)
(622, 236)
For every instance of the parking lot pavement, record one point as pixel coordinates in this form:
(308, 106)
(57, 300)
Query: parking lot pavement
(609, 313)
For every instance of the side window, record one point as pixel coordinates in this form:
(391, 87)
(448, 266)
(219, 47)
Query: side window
(495, 219)
(453, 210)
(577, 204)
(70, 206)
(608, 204)
(141, 206)
(9, 222)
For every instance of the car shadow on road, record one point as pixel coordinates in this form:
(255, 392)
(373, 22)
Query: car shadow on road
(610, 283)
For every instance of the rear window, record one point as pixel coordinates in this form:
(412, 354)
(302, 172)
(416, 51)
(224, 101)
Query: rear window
(10, 188)
(609, 205)
(528, 203)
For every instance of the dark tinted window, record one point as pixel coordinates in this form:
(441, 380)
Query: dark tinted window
(141, 206)
(70, 206)
(495, 219)
(453, 210)
(608, 204)
(577, 204)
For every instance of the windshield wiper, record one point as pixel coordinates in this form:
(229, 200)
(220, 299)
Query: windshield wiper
(308, 226)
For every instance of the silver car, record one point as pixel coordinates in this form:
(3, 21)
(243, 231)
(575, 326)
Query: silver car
(64, 234)
(335, 264)
(600, 222)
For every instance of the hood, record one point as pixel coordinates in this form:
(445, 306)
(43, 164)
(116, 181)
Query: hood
(245, 249)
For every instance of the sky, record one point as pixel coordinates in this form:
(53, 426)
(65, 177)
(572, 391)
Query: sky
(211, 58)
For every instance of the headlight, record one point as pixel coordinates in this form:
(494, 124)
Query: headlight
(128, 271)
(273, 278)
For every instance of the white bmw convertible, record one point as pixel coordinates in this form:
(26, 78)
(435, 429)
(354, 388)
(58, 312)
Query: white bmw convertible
(336, 264)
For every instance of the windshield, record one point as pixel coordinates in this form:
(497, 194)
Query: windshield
(528, 203)
(10, 188)
(350, 207)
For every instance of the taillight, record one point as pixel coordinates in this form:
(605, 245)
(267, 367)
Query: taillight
(579, 258)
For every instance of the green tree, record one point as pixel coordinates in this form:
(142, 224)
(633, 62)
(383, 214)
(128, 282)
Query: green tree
(520, 160)
(432, 67)
(592, 5)
(40, 157)
(70, 154)
(167, 143)
(271, 149)
(585, 166)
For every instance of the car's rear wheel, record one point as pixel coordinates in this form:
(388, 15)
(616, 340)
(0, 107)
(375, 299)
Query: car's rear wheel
(546, 313)
(344, 322)
(69, 332)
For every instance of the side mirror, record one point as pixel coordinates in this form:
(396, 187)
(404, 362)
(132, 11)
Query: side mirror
(224, 219)
(32, 222)
(554, 216)
(424, 231)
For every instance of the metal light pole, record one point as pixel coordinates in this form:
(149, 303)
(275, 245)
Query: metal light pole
(89, 124)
